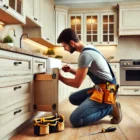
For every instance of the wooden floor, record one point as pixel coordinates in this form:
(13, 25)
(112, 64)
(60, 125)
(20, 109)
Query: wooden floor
(129, 128)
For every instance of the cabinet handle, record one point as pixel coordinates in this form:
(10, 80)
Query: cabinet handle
(18, 111)
(35, 19)
(40, 65)
(5, 6)
(47, 38)
(17, 63)
(136, 90)
(15, 88)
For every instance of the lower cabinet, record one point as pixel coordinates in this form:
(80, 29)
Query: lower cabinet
(130, 90)
(14, 115)
(46, 92)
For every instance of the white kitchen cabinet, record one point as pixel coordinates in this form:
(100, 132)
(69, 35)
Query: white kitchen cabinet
(130, 90)
(129, 21)
(33, 10)
(100, 28)
(116, 69)
(108, 29)
(76, 23)
(12, 11)
(61, 20)
(48, 21)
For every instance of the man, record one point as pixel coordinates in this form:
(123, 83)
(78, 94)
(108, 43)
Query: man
(90, 62)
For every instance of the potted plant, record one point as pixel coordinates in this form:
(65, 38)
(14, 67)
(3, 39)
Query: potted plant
(8, 40)
(50, 52)
(58, 57)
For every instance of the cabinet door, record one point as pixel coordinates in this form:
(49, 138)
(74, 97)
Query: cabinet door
(47, 19)
(108, 28)
(36, 11)
(91, 26)
(129, 23)
(46, 92)
(76, 23)
(29, 7)
(61, 23)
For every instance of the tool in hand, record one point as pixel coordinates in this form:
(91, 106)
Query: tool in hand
(109, 129)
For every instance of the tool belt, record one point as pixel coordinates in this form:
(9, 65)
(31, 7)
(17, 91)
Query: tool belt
(104, 93)
(47, 125)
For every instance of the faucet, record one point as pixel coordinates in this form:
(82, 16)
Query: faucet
(13, 30)
(22, 36)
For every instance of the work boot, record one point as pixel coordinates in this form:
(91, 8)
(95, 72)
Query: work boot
(116, 113)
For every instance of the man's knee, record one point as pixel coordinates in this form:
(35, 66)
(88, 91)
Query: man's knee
(75, 121)
(72, 99)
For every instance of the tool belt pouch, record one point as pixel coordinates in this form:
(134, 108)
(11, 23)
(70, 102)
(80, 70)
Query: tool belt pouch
(97, 96)
(106, 93)
(109, 97)
(47, 125)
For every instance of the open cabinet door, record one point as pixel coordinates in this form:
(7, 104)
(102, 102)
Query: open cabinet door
(46, 92)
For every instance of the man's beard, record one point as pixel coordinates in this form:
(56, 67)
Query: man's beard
(72, 49)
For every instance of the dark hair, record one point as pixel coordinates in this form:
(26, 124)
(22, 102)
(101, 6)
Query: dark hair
(67, 35)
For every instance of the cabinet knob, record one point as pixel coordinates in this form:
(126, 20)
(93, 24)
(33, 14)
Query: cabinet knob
(5, 6)
(47, 38)
(35, 19)
(108, 42)
(17, 63)
(18, 111)
(15, 88)
(100, 42)
(40, 65)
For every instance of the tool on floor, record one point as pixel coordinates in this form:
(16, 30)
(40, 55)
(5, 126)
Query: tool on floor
(109, 129)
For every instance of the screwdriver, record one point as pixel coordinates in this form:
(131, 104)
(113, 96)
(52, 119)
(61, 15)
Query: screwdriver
(109, 129)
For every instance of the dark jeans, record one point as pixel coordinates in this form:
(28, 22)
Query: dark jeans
(88, 111)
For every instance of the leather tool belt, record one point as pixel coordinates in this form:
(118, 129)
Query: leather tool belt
(104, 93)
(47, 125)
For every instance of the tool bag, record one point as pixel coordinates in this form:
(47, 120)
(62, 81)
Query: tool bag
(47, 125)
(104, 93)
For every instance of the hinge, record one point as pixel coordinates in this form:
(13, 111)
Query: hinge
(54, 106)
(54, 75)
(34, 106)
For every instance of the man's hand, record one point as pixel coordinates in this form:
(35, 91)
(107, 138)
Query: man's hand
(66, 68)
(77, 81)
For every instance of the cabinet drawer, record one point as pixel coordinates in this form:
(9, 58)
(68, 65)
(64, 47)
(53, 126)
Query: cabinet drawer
(130, 90)
(11, 94)
(16, 112)
(39, 65)
(12, 125)
(14, 64)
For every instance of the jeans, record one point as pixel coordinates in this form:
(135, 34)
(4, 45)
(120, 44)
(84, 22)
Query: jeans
(88, 111)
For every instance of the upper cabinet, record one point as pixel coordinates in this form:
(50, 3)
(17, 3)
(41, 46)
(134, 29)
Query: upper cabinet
(48, 21)
(91, 28)
(61, 20)
(108, 28)
(129, 19)
(95, 28)
(100, 29)
(11, 11)
(33, 12)
(76, 23)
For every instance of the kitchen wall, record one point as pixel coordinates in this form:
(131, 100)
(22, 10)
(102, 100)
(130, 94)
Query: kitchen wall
(128, 48)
